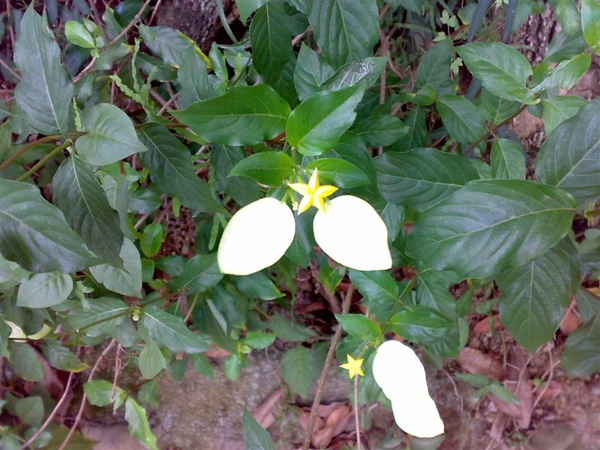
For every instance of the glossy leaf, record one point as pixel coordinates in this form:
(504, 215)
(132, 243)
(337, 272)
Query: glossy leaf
(61, 358)
(366, 71)
(151, 361)
(501, 69)
(317, 124)
(495, 109)
(25, 361)
(45, 91)
(270, 34)
(171, 332)
(434, 65)
(43, 290)
(255, 436)
(339, 172)
(462, 119)
(200, 273)
(99, 316)
(311, 72)
(258, 285)
(245, 115)
(420, 324)
(77, 34)
(126, 280)
(83, 202)
(269, 168)
(138, 425)
(570, 157)
(421, 177)
(223, 159)
(345, 31)
(110, 138)
(359, 325)
(417, 131)
(535, 295)
(35, 234)
(380, 130)
(559, 109)
(508, 160)
(379, 289)
(566, 74)
(490, 225)
(151, 239)
(192, 76)
(590, 23)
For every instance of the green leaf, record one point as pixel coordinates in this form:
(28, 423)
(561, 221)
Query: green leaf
(233, 366)
(434, 66)
(138, 425)
(245, 115)
(317, 124)
(258, 285)
(255, 436)
(311, 72)
(570, 157)
(259, 339)
(433, 291)
(103, 393)
(345, 31)
(503, 393)
(490, 225)
(462, 119)
(45, 91)
(417, 131)
(559, 109)
(421, 177)
(126, 280)
(168, 43)
(590, 23)
(269, 168)
(535, 295)
(170, 332)
(151, 361)
(495, 109)
(420, 324)
(171, 169)
(25, 361)
(339, 172)
(35, 234)
(380, 130)
(192, 76)
(99, 316)
(300, 367)
(78, 34)
(247, 7)
(151, 239)
(30, 410)
(199, 274)
(365, 71)
(508, 160)
(44, 289)
(289, 331)
(581, 354)
(566, 74)
(223, 159)
(501, 69)
(359, 325)
(270, 34)
(380, 291)
(562, 46)
(61, 358)
(85, 206)
(110, 138)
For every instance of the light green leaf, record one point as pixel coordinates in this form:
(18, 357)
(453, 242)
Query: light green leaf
(247, 7)
(170, 332)
(317, 124)
(61, 358)
(25, 361)
(245, 115)
(339, 172)
(79, 35)
(30, 410)
(110, 138)
(311, 72)
(270, 34)
(151, 239)
(171, 169)
(151, 361)
(269, 168)
(495, 109)
(199, 274)
(102, 316)
(535, 295)
(508, 160)
(44, 289)
(566, 74)
(345, 31)
(462, 119)
(501, 69)
(421, 177)
(45, 91)
(255, 436)
(126, 280)
(83, 202)
(168, 43)
(434, 66)
(490, 225)
(35, 234)
(590, 23)
(103, 393)
(259, 339)
(359, 325)
(559, 109)
(138, 425)
(570, 157)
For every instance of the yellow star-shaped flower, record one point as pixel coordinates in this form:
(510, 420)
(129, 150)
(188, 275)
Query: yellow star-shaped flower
(353, 366)
(313, 194)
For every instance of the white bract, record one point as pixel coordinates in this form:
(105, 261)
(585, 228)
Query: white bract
(401, 376)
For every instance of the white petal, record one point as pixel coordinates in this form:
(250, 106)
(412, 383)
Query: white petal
(352, 233)
(256, 237)
(401, 376)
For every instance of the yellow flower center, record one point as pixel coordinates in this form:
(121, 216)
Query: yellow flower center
(313, 194)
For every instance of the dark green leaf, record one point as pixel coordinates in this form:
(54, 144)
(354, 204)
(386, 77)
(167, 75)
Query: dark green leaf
(138, 425)
(417, 131)
(269, 168)
(258, 285)
(224, 158)
(30, 410)
(380, 291)
(35, 234)
(44, 289)
(270, 34)
(366, 71)
(359, 325)
(289, 331)
(168, 43)
(434, 66)
(245, 115)
(170, 332)
(421, 177)
(345, 31)
(339, 172)
(489, 225)
(61, 358)
(301, 249)
(311, 72)
(380, 130)
(199, 274)
(83, 202)
(101, 316)
(300, 367)
(247, 7)
(559, 109)
(110, 138)
(581, 354)
(25, 361)
(535, 295)
(495, 109)
(255, 436)
(420, 324)
(433, 291)
(151, 361)
(462, 119)
(124, 279)
(317, 124)
(570, 157)
(45, 91)
(351, 148)
(508, 160)
(562, 46)
(192, 76)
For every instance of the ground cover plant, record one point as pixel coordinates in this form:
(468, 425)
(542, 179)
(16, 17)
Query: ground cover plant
(424, 200)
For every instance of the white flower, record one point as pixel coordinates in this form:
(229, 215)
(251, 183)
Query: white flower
(401, 376)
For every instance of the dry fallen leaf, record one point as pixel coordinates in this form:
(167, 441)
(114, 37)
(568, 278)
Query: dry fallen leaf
(479, 363)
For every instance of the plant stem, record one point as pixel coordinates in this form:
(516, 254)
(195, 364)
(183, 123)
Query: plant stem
(358, 444)
(42, 162)
(323, 378)
(8, 161)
